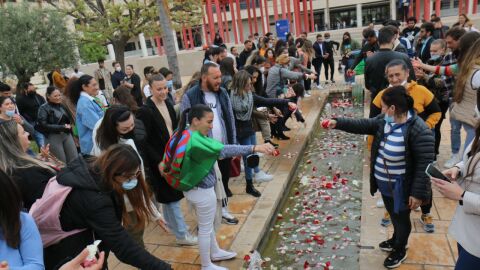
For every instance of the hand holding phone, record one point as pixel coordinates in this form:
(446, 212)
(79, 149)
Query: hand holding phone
(432, 171)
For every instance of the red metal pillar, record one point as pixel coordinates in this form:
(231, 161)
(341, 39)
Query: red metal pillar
(184, 38)
(255, 20)
(437, 8)
(275, 10)
(426, 10)
(249, 17)
(460, 7)
(466, 6)
(289, 14)
(296, 8)
(159, 45)
(266, 15)
(239, 22)
(312, 21)
(211, 21)
(282, 5)
(219, 18)
(417, 9)
(227, 32)
(205, 30)
(262, 19)
(192, 41)
(410, 9)
(475, 6)
(234, 23)
(305, 16)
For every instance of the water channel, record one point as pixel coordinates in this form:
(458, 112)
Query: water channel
(318, 223)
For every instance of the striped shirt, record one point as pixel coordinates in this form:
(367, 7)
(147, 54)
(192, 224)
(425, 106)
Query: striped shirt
(392, 151)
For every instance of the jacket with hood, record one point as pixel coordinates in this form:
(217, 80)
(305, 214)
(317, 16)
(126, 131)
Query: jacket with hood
(96, 207)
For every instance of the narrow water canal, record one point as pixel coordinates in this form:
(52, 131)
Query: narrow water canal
(318, 224)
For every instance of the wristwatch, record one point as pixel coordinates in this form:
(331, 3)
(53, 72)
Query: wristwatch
(461, 200)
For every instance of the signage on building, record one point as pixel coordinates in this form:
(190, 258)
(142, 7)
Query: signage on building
(282, 27)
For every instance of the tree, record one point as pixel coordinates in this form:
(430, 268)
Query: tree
(109, 21)
(92, 52)
(33, 39)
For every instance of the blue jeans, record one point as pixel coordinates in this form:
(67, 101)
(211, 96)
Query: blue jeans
(466, 260)
(174, 217)
(38, 137)
(348, 79)
(249, 140)
(456, 139)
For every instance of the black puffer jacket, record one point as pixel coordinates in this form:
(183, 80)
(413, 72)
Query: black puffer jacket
(419, 151)
(97, 208)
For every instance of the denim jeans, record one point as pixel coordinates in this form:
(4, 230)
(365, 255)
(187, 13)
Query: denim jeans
(249, 140)
(456, 127)
(38, 137)
(174, 218)
(466, 260)
(349, 79)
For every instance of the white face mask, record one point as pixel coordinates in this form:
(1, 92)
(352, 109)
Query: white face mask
(327, 40)
(262, 70)
(118, 69)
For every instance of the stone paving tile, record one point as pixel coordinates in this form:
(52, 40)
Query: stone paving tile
(429, 249)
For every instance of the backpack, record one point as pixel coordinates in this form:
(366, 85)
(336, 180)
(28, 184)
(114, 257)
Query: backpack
(46, 213)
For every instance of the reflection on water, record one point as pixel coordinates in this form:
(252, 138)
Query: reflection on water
(318, 225)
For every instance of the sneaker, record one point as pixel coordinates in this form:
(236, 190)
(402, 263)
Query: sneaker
(380, 203)
(189, 240)
(262, 176)
(319, 86)
(386, 245)
(386, 221)
(223, 255)
(253, 191)
(227, 218)
(307, 94)
(452, 161)
(427, 222)
(395, 259)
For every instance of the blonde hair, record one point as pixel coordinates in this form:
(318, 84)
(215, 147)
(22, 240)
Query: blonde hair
(282, 59)
(470, 59)
(307, 48)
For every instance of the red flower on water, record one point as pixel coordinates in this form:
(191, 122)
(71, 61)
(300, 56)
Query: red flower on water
(306, 265)
(346, 228)
(246, 258)
(329, 185)
(314, 169)
(329, 217)
(327, 266)
(344, 181)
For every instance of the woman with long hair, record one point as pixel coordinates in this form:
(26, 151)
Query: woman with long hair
(264, 45)
(20, 242)
(402, 148)
(122, 96)
(55, 122)
(306, 54)
(465, 188)
(89, 109)
(228, 70)
(204, 175)
(347, 50)
(270, 56)
(96, 204)
(30, 174)
(465, 23)
(8, 112)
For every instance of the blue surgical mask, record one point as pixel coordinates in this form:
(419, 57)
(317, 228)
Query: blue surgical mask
(435, 57)
(389, 119)
(170, 84)
(130, 184)
(10, 113)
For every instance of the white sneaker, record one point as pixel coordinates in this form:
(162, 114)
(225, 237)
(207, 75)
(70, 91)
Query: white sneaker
(261, 176)
(306, 95)
(380, 203)
(189, 240)
(452, 161)
(319, 86)
(213, 267)
(223, 255)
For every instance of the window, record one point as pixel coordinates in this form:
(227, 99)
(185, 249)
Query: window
(376, 14)
(130, 47)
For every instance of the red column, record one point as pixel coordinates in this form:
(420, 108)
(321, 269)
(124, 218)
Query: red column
(275, 10)
(460, 7)
(205, 30)
(312, 21)
(184, 38)
(239, 22)
(219, 18)
(475, 6)
(262, 19)
(190, 37)
(282, 5)
(437, 8)
(305, 16)
(249, 17)
(417, 9)
(211, 21)
(159, 45)
(426, 10)
(266, 15)
(255, 21)
(466, 6)
(296, 8)
(227, 32)
(234, 23)
(410, 9)
(289, 14)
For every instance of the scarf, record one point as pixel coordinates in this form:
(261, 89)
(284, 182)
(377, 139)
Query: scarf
(242, 106)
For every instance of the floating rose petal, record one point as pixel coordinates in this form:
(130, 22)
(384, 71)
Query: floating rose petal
(306, 265)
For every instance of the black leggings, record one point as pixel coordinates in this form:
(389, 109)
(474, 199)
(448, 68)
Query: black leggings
(224, 166)
(401, 224)
(438, 126)
(329, 62)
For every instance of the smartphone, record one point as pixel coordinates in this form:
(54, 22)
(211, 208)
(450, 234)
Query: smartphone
(432, 171)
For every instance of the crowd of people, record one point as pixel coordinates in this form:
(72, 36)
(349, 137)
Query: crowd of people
(101, 155)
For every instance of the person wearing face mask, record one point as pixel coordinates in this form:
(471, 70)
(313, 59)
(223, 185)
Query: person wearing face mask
(118, 75)
(8, 112)
(159, 118)
(328, 61)
(426, 107)
(436, 84)
(168, 74)
(104, 79)
(55, 121)
(403, 146)
(375, 64)
(96, 204)
(28, 102)
(133, 81)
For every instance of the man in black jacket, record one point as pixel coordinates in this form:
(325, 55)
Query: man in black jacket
(328, 56)
(247, 51)
(375, 65)
(370, 46)
(426, 36)
(319, 48)
(28, 103)
(411, 30)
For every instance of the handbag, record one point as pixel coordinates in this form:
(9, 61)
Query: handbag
(235, 166)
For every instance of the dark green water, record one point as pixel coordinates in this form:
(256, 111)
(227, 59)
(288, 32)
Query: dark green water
(319, 222)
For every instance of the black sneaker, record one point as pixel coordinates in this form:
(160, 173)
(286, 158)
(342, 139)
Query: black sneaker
(272, 143)
(395, 259)
(387, 245)
(228, 192)
(253, 191)
(229, 219)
